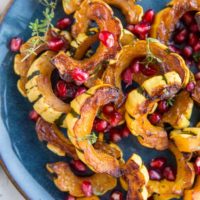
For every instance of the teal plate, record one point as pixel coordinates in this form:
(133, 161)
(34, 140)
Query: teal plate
(22, 154)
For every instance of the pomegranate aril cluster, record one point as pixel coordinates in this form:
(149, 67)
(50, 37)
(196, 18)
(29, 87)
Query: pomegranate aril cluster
(142, 29)
(159, 170)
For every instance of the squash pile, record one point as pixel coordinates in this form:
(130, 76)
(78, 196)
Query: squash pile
(106, 83)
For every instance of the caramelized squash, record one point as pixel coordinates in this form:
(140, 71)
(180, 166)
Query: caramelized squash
(184, 178)
(66, 181)
(166, 19)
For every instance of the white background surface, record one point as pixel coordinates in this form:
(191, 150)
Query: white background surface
(7, 190)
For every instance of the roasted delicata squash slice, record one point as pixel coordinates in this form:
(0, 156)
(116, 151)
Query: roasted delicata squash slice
(84, 110)
(56, 141)
(184, 178)
(141, 102)
(39, 91)
(180, 113)
(186, 140)
(132, 11)
(167, 18)
(196, 93)
(101, 13)
(22, 64)
(194, 193)
(66, 181)
(88, 198)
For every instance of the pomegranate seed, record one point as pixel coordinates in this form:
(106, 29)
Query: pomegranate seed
(155, 174)
(107, 38)
(114, 135)
(187, 51)
(63, 23)
(115, 118)
(148, 70)
(190, 86)
(70, 198)
(125, 132)
(15, 44)
(127, 76)
(169, 173)
(78, 165)
(61, 88)
(158, 163)
(55, 44)
(142, 28)
(149, 16)
(196, 48)
(188, 18)
(181, 36)
(135, 66)
(79, 75)
(130, 27)
(193, 39)
(197, 76)
(197, 165)
(162, 106)
(100, 125)
(194, 28)
(154, 118)
(87, 188)
(174, 49)
(108, 109)
(116, 196)
(80, 91)
(143, 36)
(33, 115)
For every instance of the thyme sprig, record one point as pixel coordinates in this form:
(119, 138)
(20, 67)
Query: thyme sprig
(170, 102)
(92, 138)
(40, 27)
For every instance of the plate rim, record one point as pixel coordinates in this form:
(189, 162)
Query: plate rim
(2, 16)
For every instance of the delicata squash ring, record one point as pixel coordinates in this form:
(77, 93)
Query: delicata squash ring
(142, 101)
(39, 91)
(184, 178)
(103, 15)
(132, 11)
(84, 110)
(66, 181)
(166, 19)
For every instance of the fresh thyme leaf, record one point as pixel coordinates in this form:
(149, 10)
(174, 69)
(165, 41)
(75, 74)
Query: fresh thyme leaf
(92, 138)
(170, 102)
(196, 57)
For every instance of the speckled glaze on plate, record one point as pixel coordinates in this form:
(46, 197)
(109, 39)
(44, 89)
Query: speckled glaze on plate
(23, 156)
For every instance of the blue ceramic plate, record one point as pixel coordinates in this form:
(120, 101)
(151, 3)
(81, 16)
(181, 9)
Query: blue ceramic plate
(23, 155)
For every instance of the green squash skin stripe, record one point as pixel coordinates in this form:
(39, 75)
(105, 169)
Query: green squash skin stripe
(35, 73)
(61, 119)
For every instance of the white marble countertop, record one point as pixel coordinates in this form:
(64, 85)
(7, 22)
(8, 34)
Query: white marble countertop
(7, 190)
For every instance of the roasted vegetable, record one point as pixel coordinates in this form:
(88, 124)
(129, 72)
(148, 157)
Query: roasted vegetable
(179, 114)
(39, 91)
(141, 102)
(84, 110)
(103, 15)
(66, 181)
(194, 193)
(196, 93)
(137, 177)
(167, 18)
(56, 141)
(186, 140)
(132, 12)
(184, 178)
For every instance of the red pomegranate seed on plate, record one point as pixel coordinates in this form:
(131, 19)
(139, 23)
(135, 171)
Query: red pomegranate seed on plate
(87, 188)
(116, 196)
(196, 47)
(197, 76)
(115, 118)
(135, 66)
(127, 76)
(33, 115)
(130, 27)
(155, 174)
(107, 38)
(158, 163)
(188, 18)
(70, 198)
(181, 36)
(15, 44)
(187, 51)
(55, 44)
(100, 125)
(190, 86)
(162, 106)
(142, 28)
(148, 70)
(79, 75)
(80, 91)
(193, 39)
(61, 89)
(194, 28)
(197, 165)
(63, 23)
(108, 109)
(154, 118)
(149, 16)
(78, 165)
(125, 132)
(114, 135)
(169, 173)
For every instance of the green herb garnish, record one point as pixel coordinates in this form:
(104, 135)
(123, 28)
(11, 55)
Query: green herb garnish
(196, 57)
(170, 102)
(92, 138)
